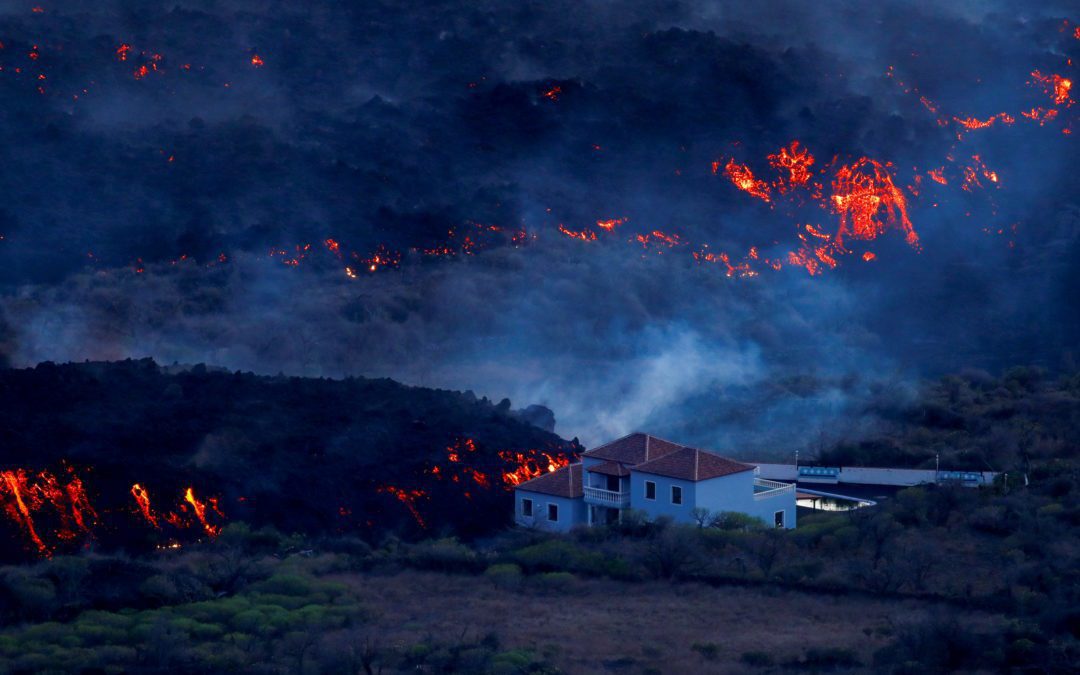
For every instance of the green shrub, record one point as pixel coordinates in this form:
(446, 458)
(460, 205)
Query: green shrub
(555, 582)
(504, 575)
(733, 520)
(563, 555)
(444, 555)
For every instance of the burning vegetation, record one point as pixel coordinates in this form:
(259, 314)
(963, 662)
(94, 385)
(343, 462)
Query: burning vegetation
(473, 472)
(865, 194)
(53, 512)
(322, 462)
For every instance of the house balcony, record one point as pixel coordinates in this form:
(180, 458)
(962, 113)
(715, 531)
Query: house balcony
(767, 489)
(609, 498)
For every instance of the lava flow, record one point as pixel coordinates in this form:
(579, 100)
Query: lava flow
(743, 178)
(44, 510)
(1056, 86)
(190, 513)
(142, 499)
(868, 202)
(408, 498)
(796, 162)
(468, 468)
(525, 466)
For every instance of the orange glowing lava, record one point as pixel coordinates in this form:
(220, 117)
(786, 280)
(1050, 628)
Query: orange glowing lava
(200, 512)
(868, 203)
(1056, 86)
(142, 499)
(65, 508)
(743, 178)
(19, 503)
(553, 94)
(973, 123)
(408, 498)
(528, 465)
(583, 235)
(795, 161)
(611, 224)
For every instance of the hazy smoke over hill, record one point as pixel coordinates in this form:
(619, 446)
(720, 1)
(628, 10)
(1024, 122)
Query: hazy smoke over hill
(357, 188)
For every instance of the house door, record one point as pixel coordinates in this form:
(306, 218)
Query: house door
(613, 483)
(778, 519)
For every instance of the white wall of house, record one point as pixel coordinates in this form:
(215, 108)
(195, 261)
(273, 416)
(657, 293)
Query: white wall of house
(568, 512)
(662, 504)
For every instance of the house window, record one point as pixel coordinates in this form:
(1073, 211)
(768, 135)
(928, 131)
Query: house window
(778, 519)
(676, 494)
(526, 508)
(650, 490)
(553, 512)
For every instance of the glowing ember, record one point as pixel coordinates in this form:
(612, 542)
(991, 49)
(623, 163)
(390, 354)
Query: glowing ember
(1056, 86)
(658, 237)
(257, 61)
(972, 123)
(529, 465)
(743, 178)
(976, 171)
(19, 503)
(200, 512)
(65, 509)
(81, 510)
(583, 235)
(382, 257)
(408, 498)
(122, 52)
(611, 224)
(142, 499)
(796, 162)
(868, 203)
(1040, 115)
(553, 94)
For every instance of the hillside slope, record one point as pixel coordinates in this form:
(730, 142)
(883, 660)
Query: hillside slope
(311, 455)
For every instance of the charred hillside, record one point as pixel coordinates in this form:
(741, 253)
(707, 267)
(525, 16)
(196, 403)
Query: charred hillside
(134, 455)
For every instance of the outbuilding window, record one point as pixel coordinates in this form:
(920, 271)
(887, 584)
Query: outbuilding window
(778, 519)
(526, 508)
(553, 512)
(676, 494)
(650, 490)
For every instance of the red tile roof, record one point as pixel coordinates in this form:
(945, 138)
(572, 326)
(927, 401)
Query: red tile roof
(565, 482)
(633, 449)
(610, 469)
(692, 464)
(649, 454)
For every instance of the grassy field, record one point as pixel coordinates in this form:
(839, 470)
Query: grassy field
(597, 625)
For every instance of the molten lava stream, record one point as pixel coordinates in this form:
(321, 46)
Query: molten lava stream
(142, 499)
(19, 503)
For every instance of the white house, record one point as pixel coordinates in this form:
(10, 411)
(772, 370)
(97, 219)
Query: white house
(654, 476)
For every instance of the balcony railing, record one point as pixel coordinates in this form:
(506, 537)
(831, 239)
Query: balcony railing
(601, 497)
(767, 489)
